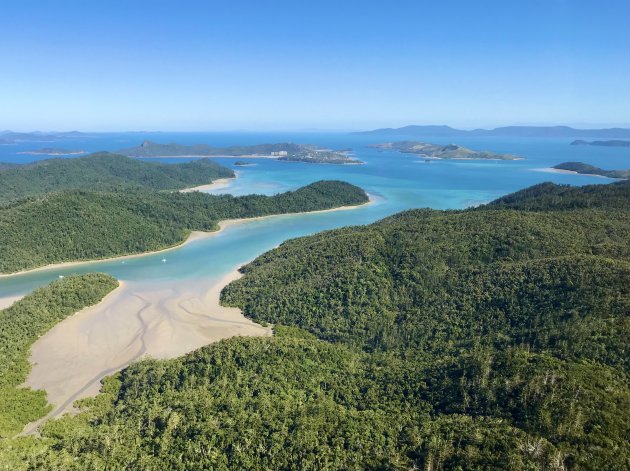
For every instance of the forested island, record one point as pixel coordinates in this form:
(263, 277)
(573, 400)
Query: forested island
(241, 163)
(488, 338)
(611, 143)
(103, 171)
(435, 151)
(75, 225)
(282, 151)
(53, 151)
(586, 169)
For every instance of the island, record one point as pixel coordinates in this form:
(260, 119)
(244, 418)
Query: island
(53, 151)
(11, 137)
(505, 131)
(286, 151)
(242, 163)
(104, 171)
(586, 169)
(448, 152)
(611, 143)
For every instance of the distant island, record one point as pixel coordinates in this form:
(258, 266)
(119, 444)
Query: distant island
(507, 131)
(53, 151)
(450, 151)
(241, 163)
(10, 137)
(282, 151)
(586, 169)
(612, 143)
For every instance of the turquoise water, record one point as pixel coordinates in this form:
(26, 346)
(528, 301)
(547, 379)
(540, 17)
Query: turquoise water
(397, 182)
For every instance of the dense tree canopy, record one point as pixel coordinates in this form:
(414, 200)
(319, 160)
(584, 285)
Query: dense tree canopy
(83, 225)
(103, 171)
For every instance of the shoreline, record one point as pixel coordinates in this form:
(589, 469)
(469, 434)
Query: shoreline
(571, 172)
(70, 360)
(192, 237)
(133, 322)
(52, 155)
(249, 156)
(215, 185)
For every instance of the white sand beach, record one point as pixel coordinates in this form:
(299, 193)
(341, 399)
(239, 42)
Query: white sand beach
(134, 321)
(215, 185)
(7, 301)
(567, 172)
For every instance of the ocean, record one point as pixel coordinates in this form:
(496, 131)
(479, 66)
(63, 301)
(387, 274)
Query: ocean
(396, 181)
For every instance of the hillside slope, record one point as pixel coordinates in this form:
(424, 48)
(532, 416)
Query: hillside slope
(83, 225)
(103, 171)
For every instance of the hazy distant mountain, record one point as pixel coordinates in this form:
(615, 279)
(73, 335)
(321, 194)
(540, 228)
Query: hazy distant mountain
(613, 143)
(511, 131)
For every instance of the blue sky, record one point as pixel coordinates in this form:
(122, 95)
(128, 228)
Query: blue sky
(289, 65)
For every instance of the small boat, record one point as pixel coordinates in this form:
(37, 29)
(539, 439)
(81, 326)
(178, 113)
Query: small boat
(60, 276)
(163, 260)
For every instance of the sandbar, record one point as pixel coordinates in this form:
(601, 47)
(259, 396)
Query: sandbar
(134, 321)
(8, 301)
(215, 185)
(568, 172)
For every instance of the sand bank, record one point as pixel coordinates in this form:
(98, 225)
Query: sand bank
(158, 320)
(215, 185)
(134, 321)
(7, 301)
(568, 172)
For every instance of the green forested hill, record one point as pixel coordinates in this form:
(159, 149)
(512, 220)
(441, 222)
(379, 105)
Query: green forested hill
(493, 338)
(552, 197)
(102, 171)
(82, 225)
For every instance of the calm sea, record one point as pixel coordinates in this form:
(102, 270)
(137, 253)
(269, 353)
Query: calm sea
(397, 181)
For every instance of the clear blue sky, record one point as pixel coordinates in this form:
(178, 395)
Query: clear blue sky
(227, 65)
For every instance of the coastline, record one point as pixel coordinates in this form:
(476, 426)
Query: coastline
(133, 322)
(570, 172)
(52, 155)
(197, 156)
(137, 320)
(248, 156)
(7, 301)
(215, 185)
(192, 237)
